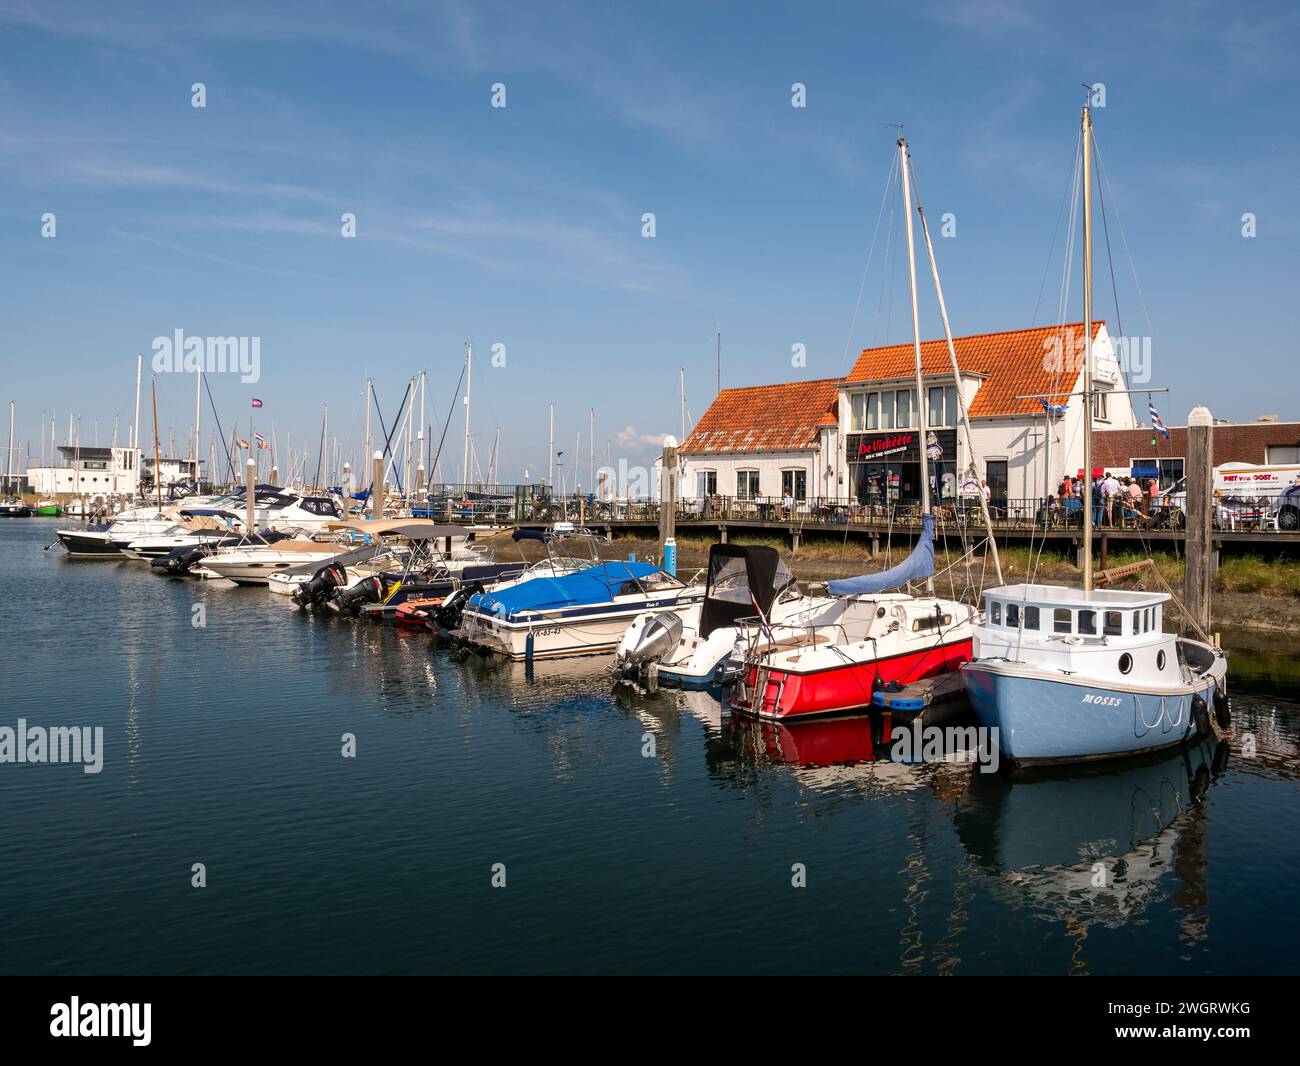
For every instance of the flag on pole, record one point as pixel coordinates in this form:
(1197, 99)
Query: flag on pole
(257, 402)
(1156, 422)
(259, 438)
(1053, 408)
(243, 444)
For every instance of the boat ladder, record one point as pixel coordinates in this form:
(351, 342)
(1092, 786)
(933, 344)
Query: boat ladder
(762, 682)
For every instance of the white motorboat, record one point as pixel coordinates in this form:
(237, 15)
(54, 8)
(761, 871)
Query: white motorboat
(253, 565)
(747, 588)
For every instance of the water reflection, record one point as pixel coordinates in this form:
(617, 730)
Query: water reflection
(1094, 846)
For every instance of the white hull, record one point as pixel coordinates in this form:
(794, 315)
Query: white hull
(590, 630)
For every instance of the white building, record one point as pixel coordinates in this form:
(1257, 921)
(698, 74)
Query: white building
(89, 471)
(858, 437)
(766, 440)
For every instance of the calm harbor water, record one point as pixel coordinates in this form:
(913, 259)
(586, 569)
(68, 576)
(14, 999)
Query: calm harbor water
(222, 747)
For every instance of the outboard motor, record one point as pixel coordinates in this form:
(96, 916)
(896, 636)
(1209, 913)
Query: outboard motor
(320, 587)
(367, 590)
(446, 616)
(181, 559)
(647, 640)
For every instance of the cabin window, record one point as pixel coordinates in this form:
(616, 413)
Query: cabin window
(1031, 617)
(930, 621)
(1160, 659)
(1013, 615)
(1125, 663)
(1062, 620)
(1088, 623)
(1151, 619)
(997, 613)
(1114, 626)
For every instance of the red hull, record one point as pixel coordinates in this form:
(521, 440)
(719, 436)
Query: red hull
(787, 694)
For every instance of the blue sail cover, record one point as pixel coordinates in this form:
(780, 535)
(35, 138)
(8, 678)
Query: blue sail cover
(595, 585)
(917, 565)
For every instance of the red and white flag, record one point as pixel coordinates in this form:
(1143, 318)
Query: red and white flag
(257, 402)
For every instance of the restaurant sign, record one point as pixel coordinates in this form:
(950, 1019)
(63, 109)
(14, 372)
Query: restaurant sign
(902, 446)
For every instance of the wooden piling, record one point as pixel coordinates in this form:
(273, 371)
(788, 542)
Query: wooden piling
(668, 493)
(250, 498)
(1199, 574)
(377, 486)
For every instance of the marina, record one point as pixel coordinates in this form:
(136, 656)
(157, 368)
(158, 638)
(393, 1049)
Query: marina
(222, 746)
(524, 490)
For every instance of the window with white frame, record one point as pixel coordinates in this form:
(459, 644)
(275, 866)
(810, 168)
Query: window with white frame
(746, 484)
(794, 483)
(942, 406)
(706, 483)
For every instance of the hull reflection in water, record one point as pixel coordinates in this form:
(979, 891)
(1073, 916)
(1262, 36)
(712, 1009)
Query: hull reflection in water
(1045, 837)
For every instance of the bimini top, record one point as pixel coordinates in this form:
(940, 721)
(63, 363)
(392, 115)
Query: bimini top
(595, 585)
(410, 528)
(1063, 596)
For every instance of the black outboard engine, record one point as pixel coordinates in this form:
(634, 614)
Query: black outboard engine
(367, 590)
(321, 585)
(446, 616)
(182, 559)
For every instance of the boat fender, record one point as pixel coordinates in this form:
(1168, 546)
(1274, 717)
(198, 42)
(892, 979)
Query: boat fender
(1201, 716)
(1222, 708)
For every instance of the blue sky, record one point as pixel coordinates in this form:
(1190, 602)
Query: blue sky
(522, 225)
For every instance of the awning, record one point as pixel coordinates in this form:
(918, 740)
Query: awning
(411, 528)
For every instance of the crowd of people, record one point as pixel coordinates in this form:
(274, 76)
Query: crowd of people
(1127, 502)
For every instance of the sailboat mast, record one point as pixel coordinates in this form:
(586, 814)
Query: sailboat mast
(469, 381)
(135, 426)
(198, 401)
(157, 459)
(916, 338)
(1087, 349)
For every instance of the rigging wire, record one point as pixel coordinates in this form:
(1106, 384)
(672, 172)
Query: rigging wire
(871, 250)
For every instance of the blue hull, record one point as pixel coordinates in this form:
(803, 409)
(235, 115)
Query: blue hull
(1046, 721)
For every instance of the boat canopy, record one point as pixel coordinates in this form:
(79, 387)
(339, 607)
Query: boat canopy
(917, 565)
(410, 528)
(595, 585)
(743, 582)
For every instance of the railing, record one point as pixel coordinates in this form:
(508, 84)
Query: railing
(534, 504)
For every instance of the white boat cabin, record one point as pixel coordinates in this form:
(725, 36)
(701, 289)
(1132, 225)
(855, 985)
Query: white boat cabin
(1104, 633)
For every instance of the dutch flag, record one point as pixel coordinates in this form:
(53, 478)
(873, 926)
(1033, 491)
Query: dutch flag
(1156, 423)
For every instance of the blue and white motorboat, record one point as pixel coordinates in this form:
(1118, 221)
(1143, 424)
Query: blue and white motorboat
(1072, 675)
(1065, 675)
(583, 613)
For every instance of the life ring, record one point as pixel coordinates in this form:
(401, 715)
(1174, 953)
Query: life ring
(1201, 716)
(1222, 708)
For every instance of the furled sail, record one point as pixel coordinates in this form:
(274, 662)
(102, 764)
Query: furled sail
(917, 565)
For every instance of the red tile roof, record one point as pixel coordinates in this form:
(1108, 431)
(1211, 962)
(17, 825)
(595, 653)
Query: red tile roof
(1015, 363)
(765, 418)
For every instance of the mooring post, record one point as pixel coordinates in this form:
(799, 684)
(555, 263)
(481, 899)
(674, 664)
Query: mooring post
(1198, 577)
(668, 502)
(250, 497)
(377, 485)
